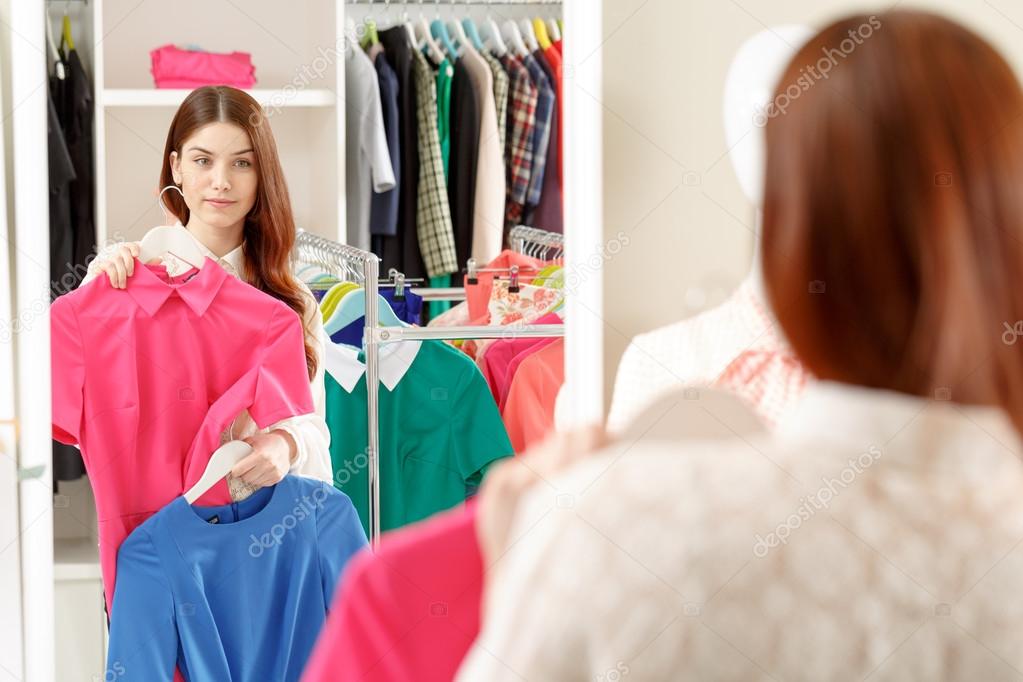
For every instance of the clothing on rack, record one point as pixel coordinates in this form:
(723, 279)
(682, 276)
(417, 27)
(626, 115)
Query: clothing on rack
(439, 428)
(488, 201)
(408, 308)
(408, 611)
(402, 251)
(383, 212)
(146, 379)
(188, 575)
(536, 378)
(466, 118)
(541, 128)
(496, 362)
(501, 88)
(368, 169)
(522, 103)
(433, 214)
(549, 210)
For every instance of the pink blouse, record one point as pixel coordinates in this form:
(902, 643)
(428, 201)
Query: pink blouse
(145, 383)
(408, 612)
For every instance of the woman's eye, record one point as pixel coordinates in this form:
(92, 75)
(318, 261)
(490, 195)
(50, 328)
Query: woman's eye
(243, 163)
(202, 161)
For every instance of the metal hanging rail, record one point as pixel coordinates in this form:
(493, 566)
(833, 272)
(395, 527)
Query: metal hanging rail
(362, 266)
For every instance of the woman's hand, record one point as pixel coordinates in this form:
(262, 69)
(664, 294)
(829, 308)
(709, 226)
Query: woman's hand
(120, 265)
(269, 461)
(507, 482)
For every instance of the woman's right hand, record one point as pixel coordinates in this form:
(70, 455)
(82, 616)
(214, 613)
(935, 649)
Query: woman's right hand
(120, 264)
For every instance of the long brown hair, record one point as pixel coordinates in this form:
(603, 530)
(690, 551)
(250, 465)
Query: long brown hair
(269, 231)
(893, 210)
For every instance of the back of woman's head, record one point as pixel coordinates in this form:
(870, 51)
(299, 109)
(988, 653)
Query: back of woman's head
(893, 209)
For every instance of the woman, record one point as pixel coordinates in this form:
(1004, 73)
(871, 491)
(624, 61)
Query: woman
(878, 533)
(231, 196)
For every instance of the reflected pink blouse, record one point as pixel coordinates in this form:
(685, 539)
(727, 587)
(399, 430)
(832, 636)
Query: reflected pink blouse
(144, 380)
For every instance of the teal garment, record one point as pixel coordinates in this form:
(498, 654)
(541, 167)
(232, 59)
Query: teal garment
(439, 429)
(438, 307)
(445, 72)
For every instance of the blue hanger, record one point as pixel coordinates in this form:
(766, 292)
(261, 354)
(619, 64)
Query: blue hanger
(440, 32)
(474, 36)
(353, 307)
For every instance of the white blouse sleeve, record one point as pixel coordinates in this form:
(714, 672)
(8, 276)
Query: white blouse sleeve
(312, 437)
(102, 256)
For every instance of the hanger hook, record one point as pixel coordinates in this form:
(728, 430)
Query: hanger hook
(163, 207)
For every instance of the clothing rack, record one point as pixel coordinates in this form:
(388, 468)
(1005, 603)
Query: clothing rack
(363, 266)
(358, 266)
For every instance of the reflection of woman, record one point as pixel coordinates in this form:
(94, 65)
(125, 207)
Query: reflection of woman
(221, 155)
(879, 530)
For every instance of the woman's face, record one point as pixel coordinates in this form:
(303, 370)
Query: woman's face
(217, 174)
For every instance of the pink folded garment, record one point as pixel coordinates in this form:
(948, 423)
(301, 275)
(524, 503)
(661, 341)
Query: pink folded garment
(177, 68)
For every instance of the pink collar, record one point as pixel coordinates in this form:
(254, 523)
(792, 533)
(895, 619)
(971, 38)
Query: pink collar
(150, 292)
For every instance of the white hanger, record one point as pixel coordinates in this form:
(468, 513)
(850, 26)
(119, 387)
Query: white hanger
(221, 462)
(492, 37)
(52, 44)
(458, 33)
(552, 30)
(511, 33)
(528, 35)
(176, 241)
(425, 41)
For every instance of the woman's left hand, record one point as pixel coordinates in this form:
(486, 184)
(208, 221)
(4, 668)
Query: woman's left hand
(269, 461)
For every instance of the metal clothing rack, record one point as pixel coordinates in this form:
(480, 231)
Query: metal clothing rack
(363, 266)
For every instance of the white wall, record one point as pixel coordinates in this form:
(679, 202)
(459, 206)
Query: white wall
(668, 181)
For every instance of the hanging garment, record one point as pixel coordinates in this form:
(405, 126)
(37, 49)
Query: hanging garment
(173, 67)
(734, 346)
(556, 74)
(146, 379)
(76, 116)
(545, 103)
(67, 460)
(309, 431)
(557, 45)
(439, 428)
(408, 308)
(477, 296)
(235, 592)
(368, 168)
(547, 215)
(488, 207)
(408, 611)
(501, 89)
(402, 252)
(383, 212)
(495, 363)
(433, 214)
(529, 412)
(466, 108)
(445, 72)
(518, 153)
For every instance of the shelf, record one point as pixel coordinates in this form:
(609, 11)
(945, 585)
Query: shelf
(75, 559)
(151, 97)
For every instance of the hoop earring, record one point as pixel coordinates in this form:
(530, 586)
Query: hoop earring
(163, 207)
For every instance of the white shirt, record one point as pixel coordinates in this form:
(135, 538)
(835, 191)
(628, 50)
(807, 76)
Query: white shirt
(368, 162)
(902, 559)
(312, 437)
(737, 346)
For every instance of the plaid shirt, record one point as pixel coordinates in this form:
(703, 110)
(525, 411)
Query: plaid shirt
(541, 128)
(433, 214)
(501, 88)
(522, 102)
